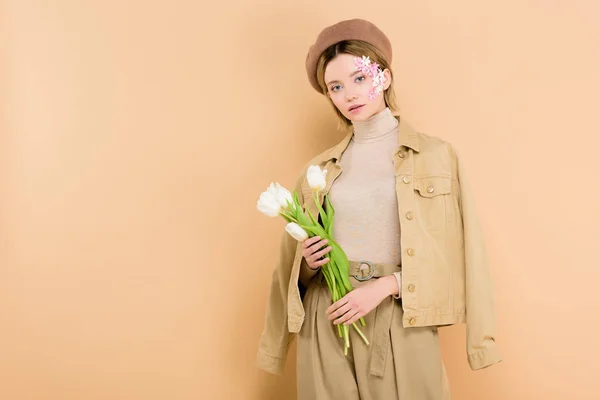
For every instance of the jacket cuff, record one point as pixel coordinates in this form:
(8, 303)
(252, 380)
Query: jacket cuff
(273, 365)
(485, 357)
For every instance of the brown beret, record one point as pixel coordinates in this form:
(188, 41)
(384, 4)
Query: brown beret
(351, 29)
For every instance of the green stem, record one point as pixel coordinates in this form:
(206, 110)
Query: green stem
(285, 214)
(360, 333)
(347, 335)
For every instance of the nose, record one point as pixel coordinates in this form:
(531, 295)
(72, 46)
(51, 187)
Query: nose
(351, 96)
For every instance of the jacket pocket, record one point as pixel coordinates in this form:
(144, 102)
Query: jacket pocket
(434, 199)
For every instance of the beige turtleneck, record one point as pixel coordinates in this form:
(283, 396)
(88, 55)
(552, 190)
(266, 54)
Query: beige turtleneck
(366, 222)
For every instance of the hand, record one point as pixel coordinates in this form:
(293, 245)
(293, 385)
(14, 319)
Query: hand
(310, 251)
(359, 302)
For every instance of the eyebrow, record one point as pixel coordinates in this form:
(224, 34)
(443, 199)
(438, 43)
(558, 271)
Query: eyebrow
(350, 76)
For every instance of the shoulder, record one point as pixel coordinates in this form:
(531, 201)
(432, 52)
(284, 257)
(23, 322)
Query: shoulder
(429, 144)
(436, 154)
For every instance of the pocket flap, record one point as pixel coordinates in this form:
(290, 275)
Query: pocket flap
(430, 186)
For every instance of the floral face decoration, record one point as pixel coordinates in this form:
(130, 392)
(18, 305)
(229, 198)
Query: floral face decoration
(372, 69)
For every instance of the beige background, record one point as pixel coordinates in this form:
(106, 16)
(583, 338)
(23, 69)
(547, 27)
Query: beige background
(136, 137)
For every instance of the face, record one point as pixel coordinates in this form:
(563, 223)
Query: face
(348, 88)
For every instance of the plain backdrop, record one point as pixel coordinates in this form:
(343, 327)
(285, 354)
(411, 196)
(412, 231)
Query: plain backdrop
(136, 137)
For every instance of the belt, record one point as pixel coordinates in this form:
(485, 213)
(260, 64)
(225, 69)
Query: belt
(380, 343)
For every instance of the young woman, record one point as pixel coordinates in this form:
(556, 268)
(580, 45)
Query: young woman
(404, 217)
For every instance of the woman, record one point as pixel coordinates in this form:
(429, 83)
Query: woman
(405, 219)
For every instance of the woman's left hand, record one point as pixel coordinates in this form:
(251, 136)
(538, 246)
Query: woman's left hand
(358, 303)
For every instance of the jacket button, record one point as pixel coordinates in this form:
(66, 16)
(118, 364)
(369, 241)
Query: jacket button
(406, 179)
(410, 252)
(412, 321)
(430, 189)
(409, 215)
(411, 288)
(401, 154)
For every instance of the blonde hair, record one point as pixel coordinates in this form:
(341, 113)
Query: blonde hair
(357, 48)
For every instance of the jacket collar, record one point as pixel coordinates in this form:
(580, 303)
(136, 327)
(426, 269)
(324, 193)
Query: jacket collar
(407, 137)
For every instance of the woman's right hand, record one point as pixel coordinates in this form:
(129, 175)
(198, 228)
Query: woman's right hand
(312, 251)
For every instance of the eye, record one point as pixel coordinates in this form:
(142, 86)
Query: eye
(360, 78)
(333, 88)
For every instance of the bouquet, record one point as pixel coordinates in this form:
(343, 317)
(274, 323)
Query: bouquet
(301, 225)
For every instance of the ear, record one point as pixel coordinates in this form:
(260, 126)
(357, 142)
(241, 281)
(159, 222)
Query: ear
(388, 78)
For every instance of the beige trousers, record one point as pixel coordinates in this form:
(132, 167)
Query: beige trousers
(399, 363)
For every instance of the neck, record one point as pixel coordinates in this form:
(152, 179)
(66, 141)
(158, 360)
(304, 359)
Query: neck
(374, 128)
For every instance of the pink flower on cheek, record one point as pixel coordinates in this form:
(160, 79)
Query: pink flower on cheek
(362, 64)
(371, 69)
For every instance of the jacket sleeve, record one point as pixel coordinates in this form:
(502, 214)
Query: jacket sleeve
(482, 350)
(276, 338)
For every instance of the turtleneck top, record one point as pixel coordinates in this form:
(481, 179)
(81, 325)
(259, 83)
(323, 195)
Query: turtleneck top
(366, 221)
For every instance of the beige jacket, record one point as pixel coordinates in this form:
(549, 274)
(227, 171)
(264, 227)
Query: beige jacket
(445, 272)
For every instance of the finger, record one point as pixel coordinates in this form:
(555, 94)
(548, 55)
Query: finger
(355, 318)
(308, 245)
(315, 265)
(349, 315)
(321, 262)
(312, 260)
(339, 312)
(317, 256)
(323, 252)
(323, 242)
(312, 240)
(337, 304)
(318, 245)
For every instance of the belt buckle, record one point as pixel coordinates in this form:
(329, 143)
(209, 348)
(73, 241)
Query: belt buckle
(371, 271)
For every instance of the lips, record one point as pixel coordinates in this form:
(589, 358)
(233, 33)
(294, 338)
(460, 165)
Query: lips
(355, 107)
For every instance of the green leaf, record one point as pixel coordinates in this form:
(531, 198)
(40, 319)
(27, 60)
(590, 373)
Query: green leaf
(330, 214)
(312, 218)
(342, 264)
(318, 226)
(314, 230)
(322, 213)
(302, 218)
(296, 198)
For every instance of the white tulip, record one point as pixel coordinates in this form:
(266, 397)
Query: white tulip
(296, 231)
(283, 195)
(316, 178)
(267, 204)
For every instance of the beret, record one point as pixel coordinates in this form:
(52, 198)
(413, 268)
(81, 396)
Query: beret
(351, 29)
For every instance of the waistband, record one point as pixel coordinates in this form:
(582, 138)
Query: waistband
(365, 270)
